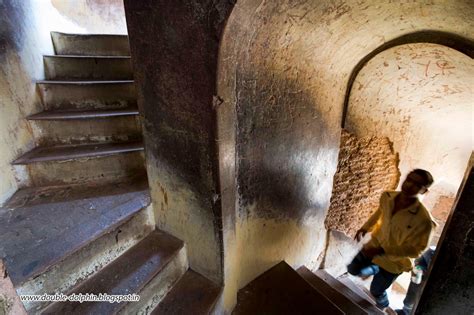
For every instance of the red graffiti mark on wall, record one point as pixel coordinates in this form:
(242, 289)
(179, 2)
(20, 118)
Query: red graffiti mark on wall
(444, 65)
(426, 68)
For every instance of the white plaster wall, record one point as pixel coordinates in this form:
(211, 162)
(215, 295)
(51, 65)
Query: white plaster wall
(93, 16)
(25, 28)
(420, 96)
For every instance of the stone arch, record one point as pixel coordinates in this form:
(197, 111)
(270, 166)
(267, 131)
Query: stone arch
(459, 43)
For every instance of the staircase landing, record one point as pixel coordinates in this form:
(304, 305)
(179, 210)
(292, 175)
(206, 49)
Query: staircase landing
(39, 230)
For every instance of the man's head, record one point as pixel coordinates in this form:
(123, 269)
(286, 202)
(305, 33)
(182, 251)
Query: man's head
(417, 182)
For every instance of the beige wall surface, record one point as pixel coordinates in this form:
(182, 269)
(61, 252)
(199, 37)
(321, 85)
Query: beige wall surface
(284, 71)
(94, 16)
(25, 38)
(420, 96)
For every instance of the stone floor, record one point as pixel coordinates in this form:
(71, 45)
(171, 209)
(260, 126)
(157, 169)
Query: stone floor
(396, 293)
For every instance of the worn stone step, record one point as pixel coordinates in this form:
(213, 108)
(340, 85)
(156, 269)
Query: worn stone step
(83, 114)
(101, 169)
(54, 237)
(281, 290)
(128, 274)
(87, 95)
(68, 152)
(90, 44)
(193, 294)
(83, 82)
(361, 294)
(343, 302)
(76, 131)
(348, 292)
(75, 164)
(66, 67)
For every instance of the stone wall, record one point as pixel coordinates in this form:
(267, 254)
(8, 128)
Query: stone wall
(367, 167)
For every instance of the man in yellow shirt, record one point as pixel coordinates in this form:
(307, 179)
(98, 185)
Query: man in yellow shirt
(401, 229)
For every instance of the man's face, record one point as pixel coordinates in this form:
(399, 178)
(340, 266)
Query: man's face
(414, 184)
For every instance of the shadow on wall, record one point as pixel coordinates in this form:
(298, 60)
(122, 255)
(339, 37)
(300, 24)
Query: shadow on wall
(286, 159)
(12, 37)
(285, 149)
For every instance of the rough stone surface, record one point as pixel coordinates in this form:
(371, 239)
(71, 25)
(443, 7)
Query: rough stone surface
(450, 286)
(367, 167)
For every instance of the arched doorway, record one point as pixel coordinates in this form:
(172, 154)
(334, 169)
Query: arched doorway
(410, 106)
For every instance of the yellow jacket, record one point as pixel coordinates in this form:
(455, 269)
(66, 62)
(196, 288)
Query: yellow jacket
(403, 236)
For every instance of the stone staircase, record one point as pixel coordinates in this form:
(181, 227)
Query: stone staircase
(283, 290)
(84, 224)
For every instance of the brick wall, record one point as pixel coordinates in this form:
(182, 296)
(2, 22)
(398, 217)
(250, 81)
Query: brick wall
(367, 166)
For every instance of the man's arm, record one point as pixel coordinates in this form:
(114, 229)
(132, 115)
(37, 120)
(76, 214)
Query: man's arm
(367, 225)
(372, 220)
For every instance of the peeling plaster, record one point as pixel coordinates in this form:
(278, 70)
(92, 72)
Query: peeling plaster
(284, 70)
(421, 96)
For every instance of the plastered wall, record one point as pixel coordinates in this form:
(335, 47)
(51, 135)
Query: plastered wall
(174, 48)
(284, 70)
(263, 101)
(24, 39)
(420, 96)
(94, 16)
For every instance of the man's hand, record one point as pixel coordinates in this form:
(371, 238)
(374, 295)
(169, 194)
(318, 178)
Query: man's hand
(371, 252)
(360, 234)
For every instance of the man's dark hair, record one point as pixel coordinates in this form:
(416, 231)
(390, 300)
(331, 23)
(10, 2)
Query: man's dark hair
(427, 177)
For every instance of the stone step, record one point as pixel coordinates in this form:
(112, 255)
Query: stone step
(348, 292)
(101, 169)
(87, 95)
(130, 273)
(90, 44)
(112, 129)
(69, 152)
(83, 114)
(66, 67)
(363, 296)
(76, 164)
(281, 290)
(193, 294)
(53, 237)
(343, 302)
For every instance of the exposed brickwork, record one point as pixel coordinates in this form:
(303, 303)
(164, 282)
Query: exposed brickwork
(366, 168)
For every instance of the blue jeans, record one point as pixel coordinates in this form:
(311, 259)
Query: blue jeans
(362, 266)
